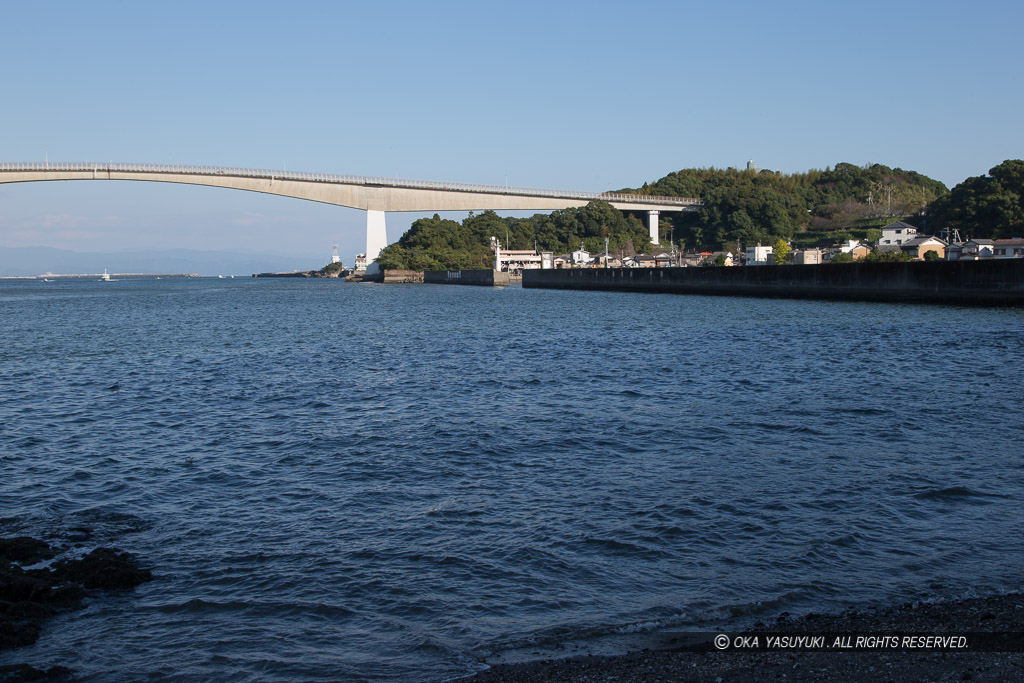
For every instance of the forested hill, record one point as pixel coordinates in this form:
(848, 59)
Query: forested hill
(440, 244)
(749, 206)
(989, 206)
(741, 207)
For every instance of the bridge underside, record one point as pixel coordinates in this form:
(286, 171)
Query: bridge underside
(375, 199)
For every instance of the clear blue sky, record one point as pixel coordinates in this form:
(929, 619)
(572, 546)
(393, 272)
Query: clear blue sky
(571, 95)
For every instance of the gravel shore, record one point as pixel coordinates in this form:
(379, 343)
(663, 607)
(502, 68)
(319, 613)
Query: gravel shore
(996, 614)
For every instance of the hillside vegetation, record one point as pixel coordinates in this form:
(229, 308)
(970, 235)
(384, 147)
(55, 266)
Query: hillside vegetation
(440, 244)
(989, 206)
(741, 207)
(750, 207)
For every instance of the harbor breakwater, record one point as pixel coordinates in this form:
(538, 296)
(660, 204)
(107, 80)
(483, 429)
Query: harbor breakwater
(996, 282)
(482, 278)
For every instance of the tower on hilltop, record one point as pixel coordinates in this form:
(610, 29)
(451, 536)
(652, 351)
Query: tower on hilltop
(334, 257)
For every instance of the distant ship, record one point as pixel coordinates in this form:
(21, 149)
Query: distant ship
(105, 277)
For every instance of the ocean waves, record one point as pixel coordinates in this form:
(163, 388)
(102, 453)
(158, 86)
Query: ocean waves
(334, 480)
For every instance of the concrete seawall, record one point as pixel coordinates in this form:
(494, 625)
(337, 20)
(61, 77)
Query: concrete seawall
(995, 282)
(482, 278)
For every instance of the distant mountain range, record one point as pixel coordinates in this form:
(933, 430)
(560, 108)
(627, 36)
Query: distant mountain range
(29, 261)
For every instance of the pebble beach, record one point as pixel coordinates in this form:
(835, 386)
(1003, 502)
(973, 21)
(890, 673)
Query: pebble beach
(995, 614)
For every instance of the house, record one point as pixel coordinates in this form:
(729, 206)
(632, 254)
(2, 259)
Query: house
(727, 259)
(1009, 248)
(897, 233)
(854, 248)
(971, 250)
(807, 257)
(693, 258)
(516, 260)
(581, 257)
(604, 260)
(984, 249)
(859, 251)
(920, 245)
(664, 260)
(758, 256)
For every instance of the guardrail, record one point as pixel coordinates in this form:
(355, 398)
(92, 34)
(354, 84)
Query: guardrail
(96, 167)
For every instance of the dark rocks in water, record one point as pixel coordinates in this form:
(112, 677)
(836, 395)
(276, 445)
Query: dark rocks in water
(25, 550)
(103, 568)
(30, 596)
(16, 673)
(17, 633)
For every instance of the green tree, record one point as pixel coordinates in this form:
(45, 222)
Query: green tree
(989, 206)
(893, 256)
(842, 257)
(931, 255)
(332, 268)
(781, 251)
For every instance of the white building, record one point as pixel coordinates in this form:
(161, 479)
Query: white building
(758, 256)
(581, 257)
(1008, 248)
(517, 260)
(895, 234)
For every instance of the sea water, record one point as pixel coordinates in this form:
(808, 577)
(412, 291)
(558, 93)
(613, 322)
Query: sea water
(337, 481)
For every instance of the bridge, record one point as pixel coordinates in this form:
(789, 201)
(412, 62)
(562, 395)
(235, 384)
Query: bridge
(376, 196)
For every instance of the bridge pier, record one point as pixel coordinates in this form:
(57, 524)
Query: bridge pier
(376, 237)
(652, 225)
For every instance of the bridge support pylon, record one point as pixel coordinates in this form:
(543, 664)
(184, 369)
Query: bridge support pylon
(652, 225)
(376, 238)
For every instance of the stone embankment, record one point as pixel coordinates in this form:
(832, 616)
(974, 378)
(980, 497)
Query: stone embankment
(388, 277)
(307, 274)
(995, 282)
(481, 278)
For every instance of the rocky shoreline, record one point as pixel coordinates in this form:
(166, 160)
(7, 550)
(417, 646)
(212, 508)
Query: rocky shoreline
(36, 583)
(1002, 614)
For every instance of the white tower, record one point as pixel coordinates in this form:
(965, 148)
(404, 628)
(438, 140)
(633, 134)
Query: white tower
(334, 257)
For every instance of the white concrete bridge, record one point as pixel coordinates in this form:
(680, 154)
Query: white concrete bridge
(376, 196)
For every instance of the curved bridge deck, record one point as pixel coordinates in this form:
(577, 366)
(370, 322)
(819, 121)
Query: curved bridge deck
(263, 180)
(373, 195)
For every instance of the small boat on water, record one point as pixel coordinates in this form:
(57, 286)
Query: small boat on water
(105, 277)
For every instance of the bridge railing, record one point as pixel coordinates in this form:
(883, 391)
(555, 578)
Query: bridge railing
(112, 167)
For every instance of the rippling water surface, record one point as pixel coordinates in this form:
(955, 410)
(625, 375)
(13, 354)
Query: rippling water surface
(340, 481)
